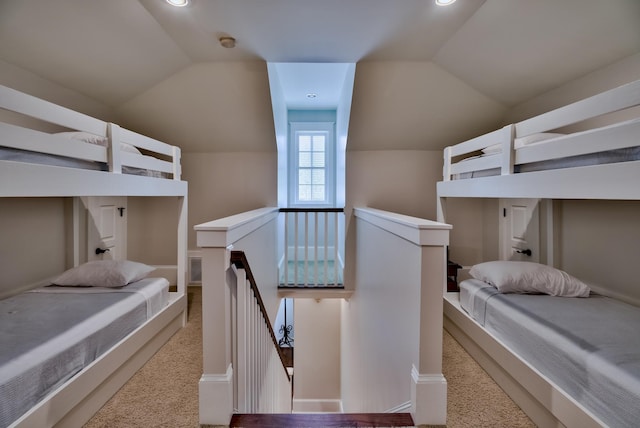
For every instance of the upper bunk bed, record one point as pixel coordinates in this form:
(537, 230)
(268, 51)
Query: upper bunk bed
(87, 157)
(535, 159)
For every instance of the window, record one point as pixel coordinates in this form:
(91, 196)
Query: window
(312, 160)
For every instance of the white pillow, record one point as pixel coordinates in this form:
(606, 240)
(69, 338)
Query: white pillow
(98, 140)
(104, 273)
(529, 277)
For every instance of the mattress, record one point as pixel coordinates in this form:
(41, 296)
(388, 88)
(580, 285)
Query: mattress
(17, 155)
(611, 156)
(51, 333)
(589, 347)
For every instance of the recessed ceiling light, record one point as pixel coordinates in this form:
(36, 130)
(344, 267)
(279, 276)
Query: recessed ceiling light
(312, 95)
(227, 42)
(445, 2)
(178, 3)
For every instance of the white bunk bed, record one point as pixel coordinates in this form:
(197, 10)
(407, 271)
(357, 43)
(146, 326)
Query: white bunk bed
(509, 163)
(93, 158)
(518, 170)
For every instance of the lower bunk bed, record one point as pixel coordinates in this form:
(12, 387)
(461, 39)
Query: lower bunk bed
(567, 361)
(55, 335)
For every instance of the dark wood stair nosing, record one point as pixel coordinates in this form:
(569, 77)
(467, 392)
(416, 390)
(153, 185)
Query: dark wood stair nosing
(326, 420)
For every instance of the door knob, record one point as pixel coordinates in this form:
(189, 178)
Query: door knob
(526, 252)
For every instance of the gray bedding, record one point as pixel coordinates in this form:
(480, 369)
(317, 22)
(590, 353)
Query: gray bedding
(590, 347)
(611, 156)
(50, 335)
(16, 155)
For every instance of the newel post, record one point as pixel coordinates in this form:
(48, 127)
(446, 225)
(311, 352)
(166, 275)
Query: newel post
(216, 240)
(216, 383)
(429, 386)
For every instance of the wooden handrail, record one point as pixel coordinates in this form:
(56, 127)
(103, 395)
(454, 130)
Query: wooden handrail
(311, 210)
(239, 260)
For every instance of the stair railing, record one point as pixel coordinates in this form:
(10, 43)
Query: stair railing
(263, 382)
(312, 246)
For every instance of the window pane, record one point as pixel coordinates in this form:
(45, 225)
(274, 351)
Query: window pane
(317, 193)
(304, 160)
(318, 143)
(304, 176)
(318, 160)
(310, 163)
(304, 193)
(317, 176)
(304, 142)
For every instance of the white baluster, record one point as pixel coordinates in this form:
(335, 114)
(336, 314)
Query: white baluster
(326, 247)
(306, 248)
(335, 249)
(295, 250)
(315, 249)
(286, 249)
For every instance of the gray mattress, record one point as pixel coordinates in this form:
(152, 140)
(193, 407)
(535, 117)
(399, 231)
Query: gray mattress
(590, 347)
(50, 334)
(611, 156)
(16, 155)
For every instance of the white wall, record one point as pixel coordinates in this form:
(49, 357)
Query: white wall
(32, 84)
(474, 237)
(316, 362)
(380, 323)
(33, 234)
(614, 75)
(223, 184)
(402, 181)
(152, 230)
(599, 244)
(415, 105)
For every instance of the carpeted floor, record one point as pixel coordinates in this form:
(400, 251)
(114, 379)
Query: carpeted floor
(164, 393)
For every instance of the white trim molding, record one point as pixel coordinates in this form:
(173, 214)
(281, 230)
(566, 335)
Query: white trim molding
(428, 398)
(215, 398)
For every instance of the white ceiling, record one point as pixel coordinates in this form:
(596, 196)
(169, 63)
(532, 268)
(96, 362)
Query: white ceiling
(116, 51)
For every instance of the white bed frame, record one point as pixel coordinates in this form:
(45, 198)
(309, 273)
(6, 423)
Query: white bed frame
(77, 400)
(543, 401)
(606, 181)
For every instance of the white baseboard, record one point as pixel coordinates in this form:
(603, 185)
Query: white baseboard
(216, 398)
(194, 267)
(428, 398)
(316, 406)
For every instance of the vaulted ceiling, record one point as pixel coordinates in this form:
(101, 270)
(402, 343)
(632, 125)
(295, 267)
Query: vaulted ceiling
(426, 76)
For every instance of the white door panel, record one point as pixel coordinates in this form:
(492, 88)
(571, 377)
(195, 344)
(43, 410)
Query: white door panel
(106, 228)
(520, 230)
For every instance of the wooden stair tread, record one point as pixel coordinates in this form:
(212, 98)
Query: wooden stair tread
(312, 420)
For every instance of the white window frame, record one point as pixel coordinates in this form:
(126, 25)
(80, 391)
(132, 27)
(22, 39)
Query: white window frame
(327, 128)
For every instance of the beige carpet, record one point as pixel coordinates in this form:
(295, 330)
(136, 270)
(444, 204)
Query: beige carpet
(164, 393)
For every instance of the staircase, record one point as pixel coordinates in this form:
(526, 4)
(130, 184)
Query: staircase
(311, 420)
